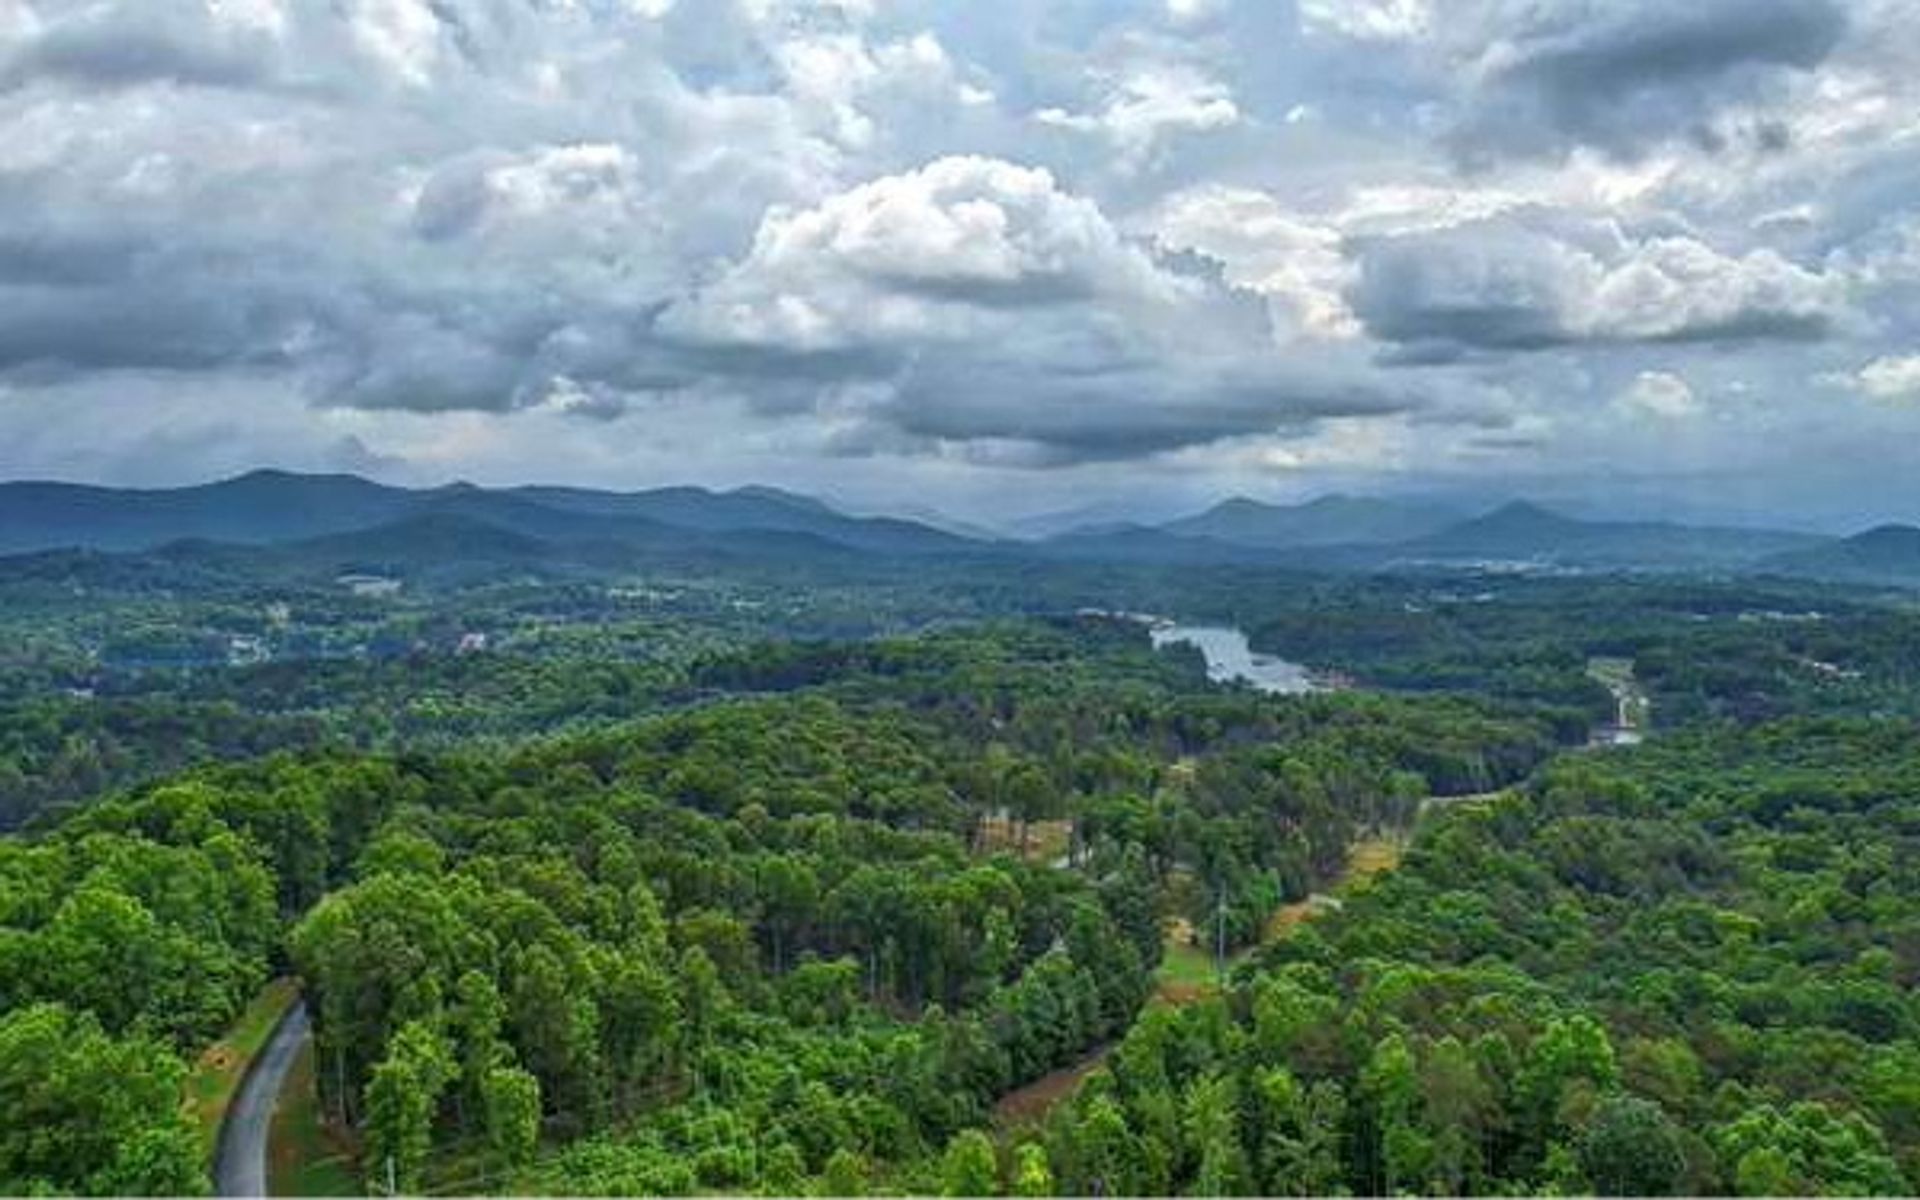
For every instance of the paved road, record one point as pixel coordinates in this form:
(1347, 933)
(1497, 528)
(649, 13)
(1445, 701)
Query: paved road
(240, 1165)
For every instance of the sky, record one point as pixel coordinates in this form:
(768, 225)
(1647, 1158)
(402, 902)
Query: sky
(986, 257)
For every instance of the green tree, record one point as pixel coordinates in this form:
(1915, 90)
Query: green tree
(1391, 1084)
(1811, 1149)
(1460, 1108)
(1631, 1148)
(402, 1099)
(1213, 1130)
(1032, 1173)
(512, 1098)
(87, 1113)
(970, 1167)
(1107, 1155)
(844, 1175)
(1568, 1064)
(476, 1019)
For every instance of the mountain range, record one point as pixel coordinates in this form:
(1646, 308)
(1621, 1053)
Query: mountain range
(1888, 554)
(273, 507)
(1335, 520)
(346, 523)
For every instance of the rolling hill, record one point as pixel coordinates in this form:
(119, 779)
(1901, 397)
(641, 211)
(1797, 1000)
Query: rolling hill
(310, 524)
(1521, 532)
(259, 507)
(1888, 554)
(1328, 521)
(273, 507)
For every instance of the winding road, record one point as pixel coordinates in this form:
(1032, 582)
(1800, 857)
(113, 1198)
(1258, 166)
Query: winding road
(240, 1163)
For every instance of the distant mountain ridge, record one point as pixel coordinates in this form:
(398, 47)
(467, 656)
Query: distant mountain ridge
(1333, 520)
(260, 506)
(1887, 554)
(272, 507)
(314, 523)
(1525, 532)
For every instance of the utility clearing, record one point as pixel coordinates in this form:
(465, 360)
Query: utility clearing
(1189, 974)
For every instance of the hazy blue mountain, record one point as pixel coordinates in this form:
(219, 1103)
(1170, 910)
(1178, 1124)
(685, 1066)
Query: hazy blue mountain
(752, 508)
(428, 538)
(266, 507)
(582, 528)
(1521, 532)
(1103, 517)
(688, 507)
(465, 539)
(1143, 544)
(1886, 554)
(934, 518)
(262, 506)
(1328, 521)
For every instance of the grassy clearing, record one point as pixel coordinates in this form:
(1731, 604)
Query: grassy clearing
(1370, 857)
(1047, 841)
(303, 1157)
(1187, 975)
(221, 1067)
(1289, 917)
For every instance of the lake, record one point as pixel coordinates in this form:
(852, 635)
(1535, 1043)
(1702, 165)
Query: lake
(1230, 658)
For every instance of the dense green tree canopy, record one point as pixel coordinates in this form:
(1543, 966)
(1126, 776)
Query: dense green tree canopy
(797, 915)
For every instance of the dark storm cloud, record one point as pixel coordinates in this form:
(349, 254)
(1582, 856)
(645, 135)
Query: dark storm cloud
(1122, 414)
(112, 330)
(1626, 74)
(110, 300)
(1516, 284)
(127, 45)
(47, 259)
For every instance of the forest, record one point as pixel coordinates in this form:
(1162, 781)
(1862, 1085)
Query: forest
(696, 901)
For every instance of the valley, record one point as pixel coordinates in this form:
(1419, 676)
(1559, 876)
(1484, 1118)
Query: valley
(856, 871)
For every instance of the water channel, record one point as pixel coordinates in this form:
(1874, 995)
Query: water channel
(1230, 659)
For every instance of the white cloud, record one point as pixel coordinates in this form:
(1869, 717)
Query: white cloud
(1193, 12)
(1891, 378)
(1298, 265)
(1660, 394)
(1151, 104)
(1370, 20)
(931, 254)
(844, 77)
(1513, 285)
(404, 35)
(1490, 269)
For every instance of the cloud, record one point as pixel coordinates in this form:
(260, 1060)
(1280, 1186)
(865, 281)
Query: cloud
(1541, 77)
(1595, 73)
(1370, 20)
(1047, 420)
(1890, 378)
(1123, 239)
(1193, 12)
(1660, 394)
(1299, 265)
(931, 255)
(120, 45)
(1509, 284)
(1152, 103)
